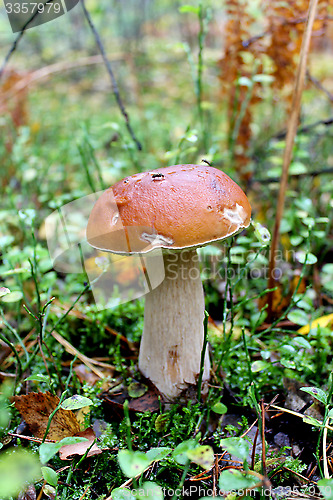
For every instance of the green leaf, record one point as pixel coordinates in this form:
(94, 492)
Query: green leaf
(122, 494)
(299, 317)
(133, 463)
(184, 9)
(316, 393)
(203, 456)
(259, 365)
(156, 454)
(75, 402)
(48, 450)
(50, 476)
(297, 167)
(262, 78)
(149, 491)
(38, 377)
(302, 342)
(161, 422)
(12, 297)
(238, 447)
(261, 232)
(136, 390)
(233, 479)
(312, 421)
(244, 81)
(180, 452)
(301, 256)
(17, 468)
(288, 363)
(296, 240)
(326, 488)
(219, 408)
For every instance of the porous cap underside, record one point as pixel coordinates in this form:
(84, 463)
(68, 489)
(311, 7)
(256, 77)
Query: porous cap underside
(174, 207)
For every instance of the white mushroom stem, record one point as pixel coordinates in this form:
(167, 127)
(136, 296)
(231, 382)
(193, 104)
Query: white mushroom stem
(173, 335)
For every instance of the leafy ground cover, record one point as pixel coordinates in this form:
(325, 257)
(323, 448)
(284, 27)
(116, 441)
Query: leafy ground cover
(77, 419)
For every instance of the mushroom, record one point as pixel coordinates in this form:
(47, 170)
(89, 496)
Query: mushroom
(176, 209)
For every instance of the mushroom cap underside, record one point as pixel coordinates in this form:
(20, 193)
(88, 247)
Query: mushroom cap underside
(174, 207)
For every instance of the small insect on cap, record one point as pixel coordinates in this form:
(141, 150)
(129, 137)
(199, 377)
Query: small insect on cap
(174, 207)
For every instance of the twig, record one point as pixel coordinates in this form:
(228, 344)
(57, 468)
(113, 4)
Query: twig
(291, 133)
(29, 438)
(114, 84)
(215, 475)
(71, 349)
(285, 410)
(18, 38)
(46, 72)
(269, 180)
(10, 375)
(326, 473)
(306, 128)
(319, 85)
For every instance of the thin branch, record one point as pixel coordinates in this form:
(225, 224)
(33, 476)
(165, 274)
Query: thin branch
(319, 85)
(18, 39)
(291, 134)
(270, 180)
(114, 84)
(306, 129)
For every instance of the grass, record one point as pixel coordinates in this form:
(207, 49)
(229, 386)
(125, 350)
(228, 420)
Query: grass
(64, 153)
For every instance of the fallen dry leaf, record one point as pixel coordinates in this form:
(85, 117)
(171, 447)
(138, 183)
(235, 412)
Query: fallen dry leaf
(119, 394)
(82, 416)
(80, 448)
(36, 407)
(84, 374)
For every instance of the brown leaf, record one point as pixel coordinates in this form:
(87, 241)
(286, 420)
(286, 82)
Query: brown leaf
(36, 407)
(84, 374)
(148, 402)
(80, 448)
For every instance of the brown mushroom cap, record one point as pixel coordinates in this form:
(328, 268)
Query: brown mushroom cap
(174, 207)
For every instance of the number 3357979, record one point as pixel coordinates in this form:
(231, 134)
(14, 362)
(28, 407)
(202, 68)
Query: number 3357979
(30, 8)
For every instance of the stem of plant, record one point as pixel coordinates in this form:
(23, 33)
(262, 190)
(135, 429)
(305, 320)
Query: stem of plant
(52, 415)
(182, 481)
(203, 352)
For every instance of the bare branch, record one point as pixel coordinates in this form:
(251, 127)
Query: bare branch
(319, 85)
(18, 39)
(114, 84)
